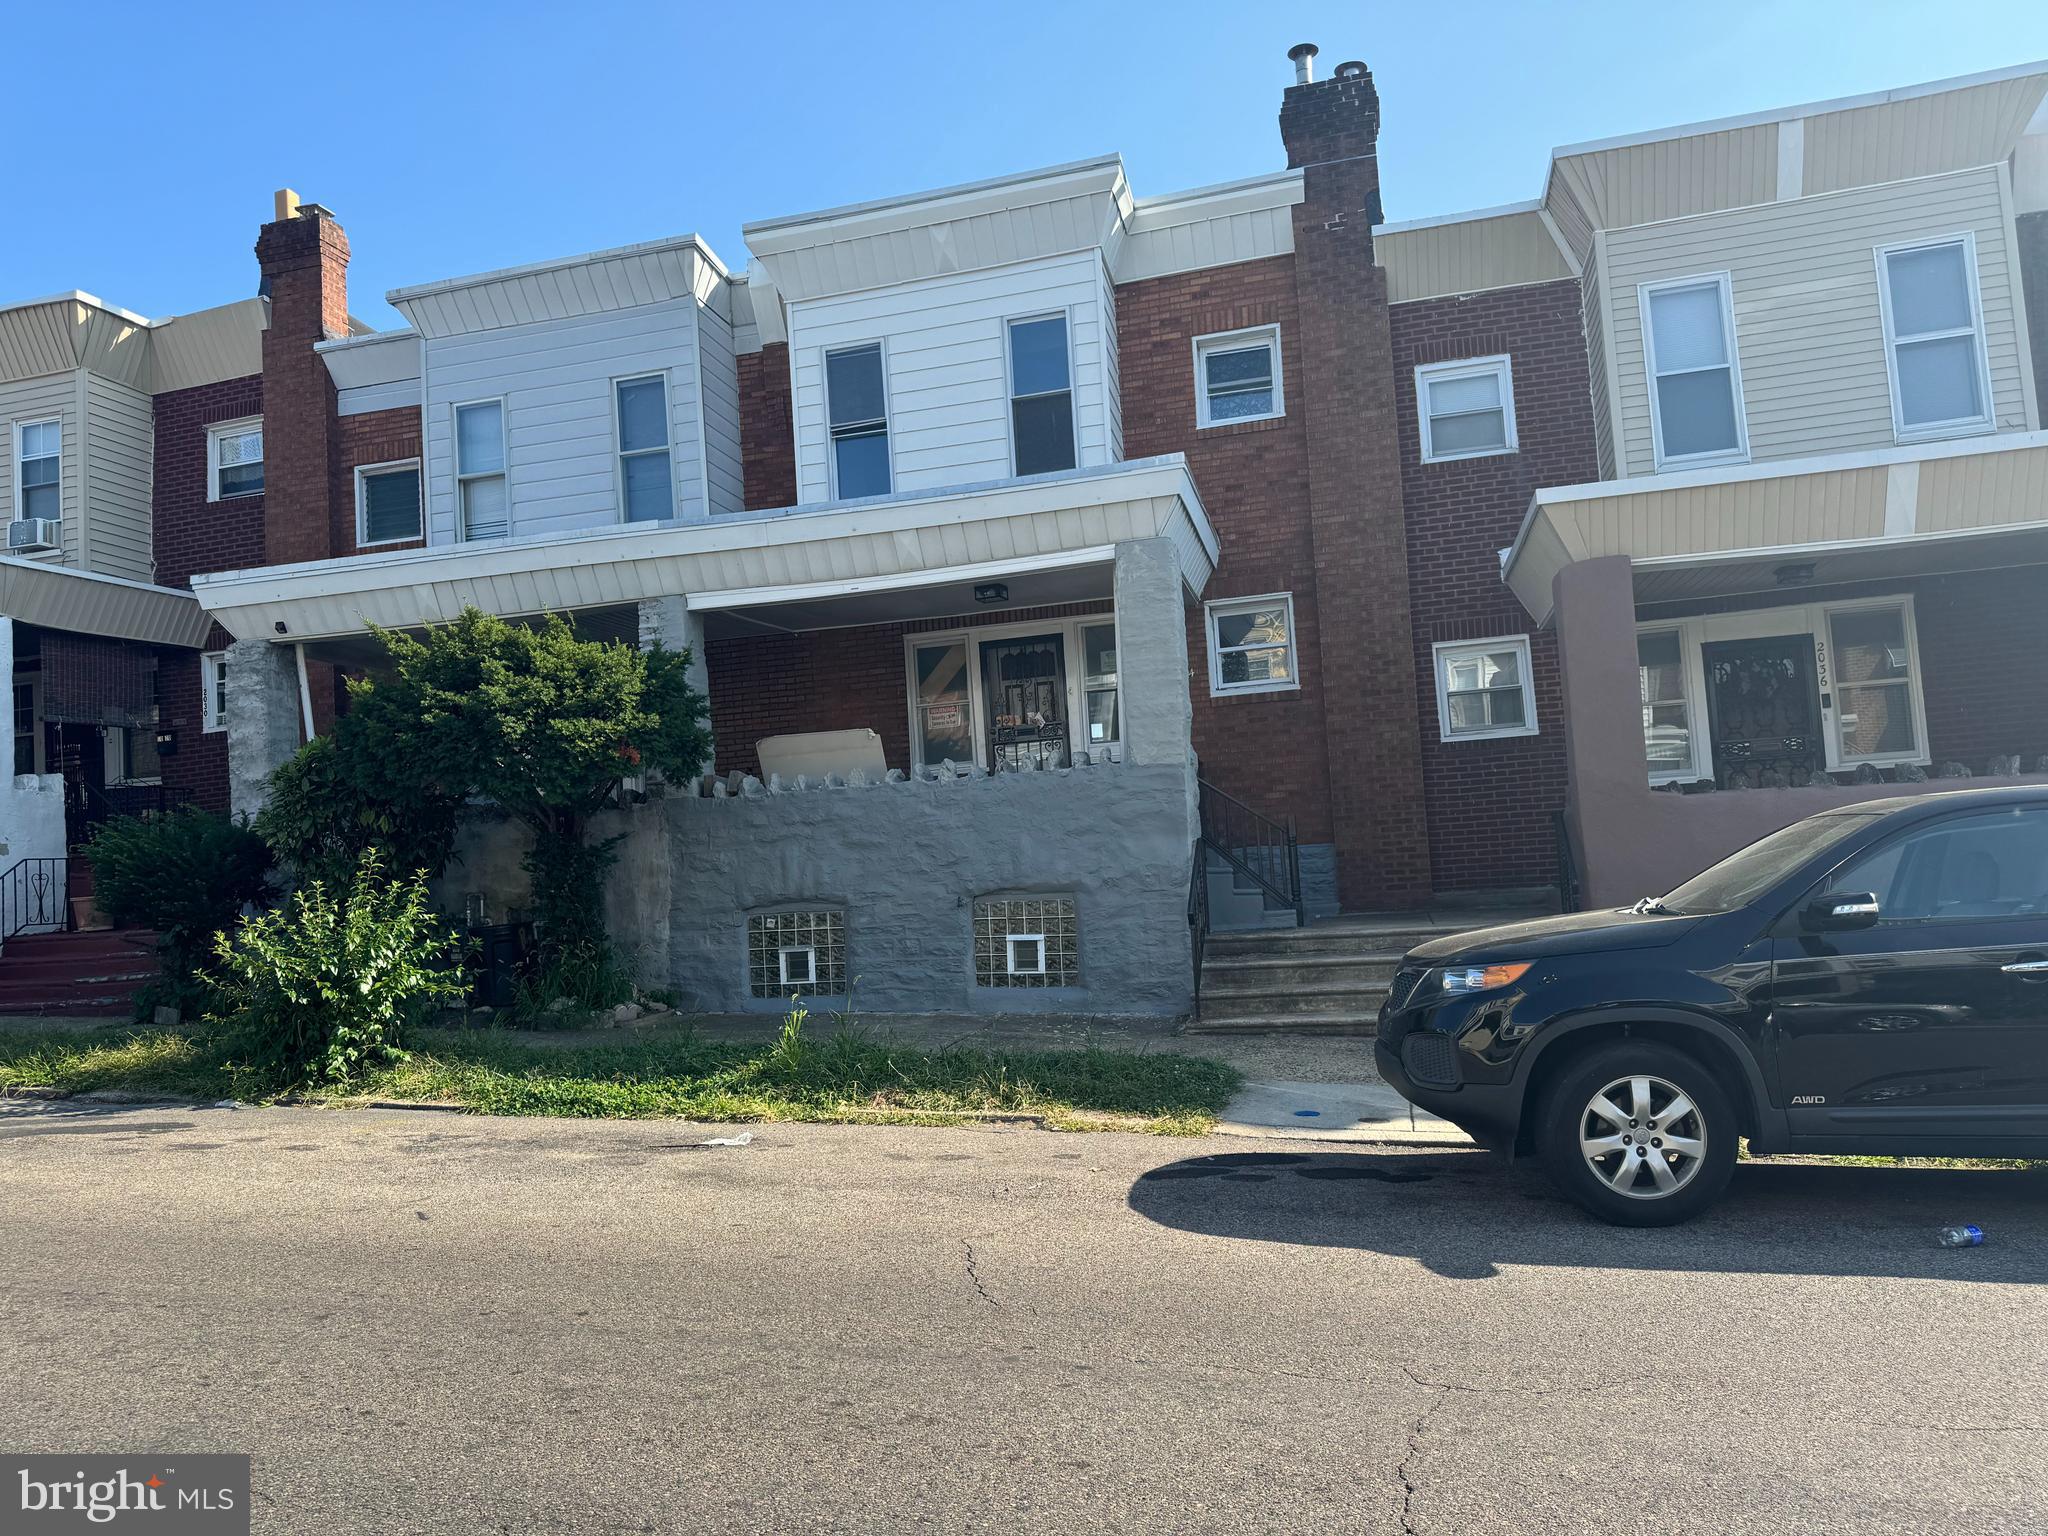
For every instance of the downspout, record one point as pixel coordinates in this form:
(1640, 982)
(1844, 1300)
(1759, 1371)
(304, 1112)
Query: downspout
(305, 690)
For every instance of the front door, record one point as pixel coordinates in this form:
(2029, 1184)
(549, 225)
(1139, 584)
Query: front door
(1763, 706)
(1935, 1021)
(1025, 683)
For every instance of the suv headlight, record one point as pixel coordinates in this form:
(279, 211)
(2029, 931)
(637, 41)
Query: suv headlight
(1463, 980)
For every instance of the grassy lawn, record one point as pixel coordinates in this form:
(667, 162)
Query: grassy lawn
(843, 1077)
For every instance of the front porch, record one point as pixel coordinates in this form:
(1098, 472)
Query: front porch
(1886, 636)
(952, 764)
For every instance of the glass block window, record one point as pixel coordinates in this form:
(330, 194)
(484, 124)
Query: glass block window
(801, 952)
(1026, 941)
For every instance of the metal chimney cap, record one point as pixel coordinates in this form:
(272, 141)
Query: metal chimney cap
(1302, 51)
(1350, 69)
(1304, 57)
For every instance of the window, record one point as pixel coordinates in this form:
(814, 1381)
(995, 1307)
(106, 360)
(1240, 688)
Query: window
(1992, 864)
(1466, 409)
(213, 691)
(1695, 377)
(1041, 396)
(1237, 377)
(1098, 680)
(644, 474)
(1667, 712)
(1934, 340)
(941, 701)
(1873, 678)
(38, 489)
(1251, 645)
(800, 952)
(25, 728)
(387, 502)
(1483, 689)
(480, 470)
(856, 401)
(234, 459)
(1026, 941)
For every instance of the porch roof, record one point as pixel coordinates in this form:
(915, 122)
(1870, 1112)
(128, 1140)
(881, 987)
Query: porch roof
(1919, 509)
(789, 555)
(86, 603)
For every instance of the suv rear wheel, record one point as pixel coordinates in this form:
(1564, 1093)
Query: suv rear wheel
(1639, 1133)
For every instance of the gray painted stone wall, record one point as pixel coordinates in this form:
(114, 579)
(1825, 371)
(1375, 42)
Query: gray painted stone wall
(906, 861)
(1318, 863)
(263, 715)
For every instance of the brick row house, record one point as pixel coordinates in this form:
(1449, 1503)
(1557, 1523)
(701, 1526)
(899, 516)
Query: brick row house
(1060, 561)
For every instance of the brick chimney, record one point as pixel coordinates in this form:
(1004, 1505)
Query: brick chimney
(303, 254)
(1345, 345)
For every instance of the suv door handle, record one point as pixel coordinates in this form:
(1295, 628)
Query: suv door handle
(2034, 970)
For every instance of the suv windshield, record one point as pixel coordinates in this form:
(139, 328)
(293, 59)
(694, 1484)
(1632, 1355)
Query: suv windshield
(1742, 877)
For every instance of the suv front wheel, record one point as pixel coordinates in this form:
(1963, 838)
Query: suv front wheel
(1640, 1134)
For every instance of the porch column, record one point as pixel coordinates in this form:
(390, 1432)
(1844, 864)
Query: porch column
(1152, 663)
(262, 719)
(1603, 721)
(669, 623)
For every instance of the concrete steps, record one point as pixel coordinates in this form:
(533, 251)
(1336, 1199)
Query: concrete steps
(1326, 979)
(92, 974)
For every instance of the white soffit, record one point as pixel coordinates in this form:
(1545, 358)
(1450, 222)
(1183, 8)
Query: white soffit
(853, 547)
(384, 357)
(56, 597)
(651, 273)
(955, 229)
(1210, 227)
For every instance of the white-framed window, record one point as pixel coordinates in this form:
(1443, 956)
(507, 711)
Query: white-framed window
(1025, 953)
(28, 735)
(646, 480)
(387, 503)
(234, 459)
(1483, 689)
(1466, 409)
(39, 469)
(857, 416)
(1251, 644)
(797, 965)
(1866, 672)
(1934, 337)
(482, 492)
(1237, 377)
(1041, 395)
(1695, 370)
(213, 691)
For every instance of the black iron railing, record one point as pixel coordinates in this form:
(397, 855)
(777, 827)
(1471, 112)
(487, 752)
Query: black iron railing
(1255, 845)
(1198, 912)
(1569, 896)
(34, 897)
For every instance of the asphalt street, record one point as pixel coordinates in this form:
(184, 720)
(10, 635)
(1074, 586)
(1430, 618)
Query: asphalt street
(426, 1323)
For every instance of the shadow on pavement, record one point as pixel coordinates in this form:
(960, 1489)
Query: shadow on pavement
(1467, 1214)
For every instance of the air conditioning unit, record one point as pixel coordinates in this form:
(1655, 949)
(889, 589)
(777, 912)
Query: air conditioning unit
(31, 533)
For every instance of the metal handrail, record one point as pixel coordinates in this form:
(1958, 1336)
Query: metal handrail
(1198, 913)
(1569, 895)
(1263, 850)
(35, 893)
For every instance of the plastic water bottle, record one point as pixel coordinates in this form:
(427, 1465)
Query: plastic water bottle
(1962, 1237)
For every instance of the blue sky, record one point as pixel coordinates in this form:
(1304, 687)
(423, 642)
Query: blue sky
(456, 138)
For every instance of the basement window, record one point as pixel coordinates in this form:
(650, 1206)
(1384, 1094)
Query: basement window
(234, 459)
(800, 952)
(1026, 941)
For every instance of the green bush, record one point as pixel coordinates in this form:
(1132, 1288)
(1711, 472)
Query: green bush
(322, 990)
(186, 875)
(344, 794)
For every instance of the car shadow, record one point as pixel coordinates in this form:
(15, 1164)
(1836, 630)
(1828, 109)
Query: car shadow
(1466, 1215)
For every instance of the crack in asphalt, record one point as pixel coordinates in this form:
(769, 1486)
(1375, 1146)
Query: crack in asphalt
(1406, 1470)
(974, 1273)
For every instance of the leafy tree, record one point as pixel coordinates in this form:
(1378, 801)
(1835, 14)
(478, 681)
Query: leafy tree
(185, 875)
(529, 717)
(342, 796)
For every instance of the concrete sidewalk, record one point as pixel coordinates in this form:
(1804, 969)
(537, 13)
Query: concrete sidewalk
(1334, 1112)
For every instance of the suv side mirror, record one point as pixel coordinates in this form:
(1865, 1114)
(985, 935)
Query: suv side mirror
(1842, 911)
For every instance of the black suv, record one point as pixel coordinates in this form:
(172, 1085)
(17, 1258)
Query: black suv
(1869, 980)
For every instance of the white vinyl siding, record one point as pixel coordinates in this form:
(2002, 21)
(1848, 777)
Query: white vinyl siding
(944, 344)
(1807, 312)
(1596, 360)
(555, 378)
(718, 380)
(396, 395)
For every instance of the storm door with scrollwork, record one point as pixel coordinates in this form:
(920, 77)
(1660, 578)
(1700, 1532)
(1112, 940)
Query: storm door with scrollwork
(1763, 705)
